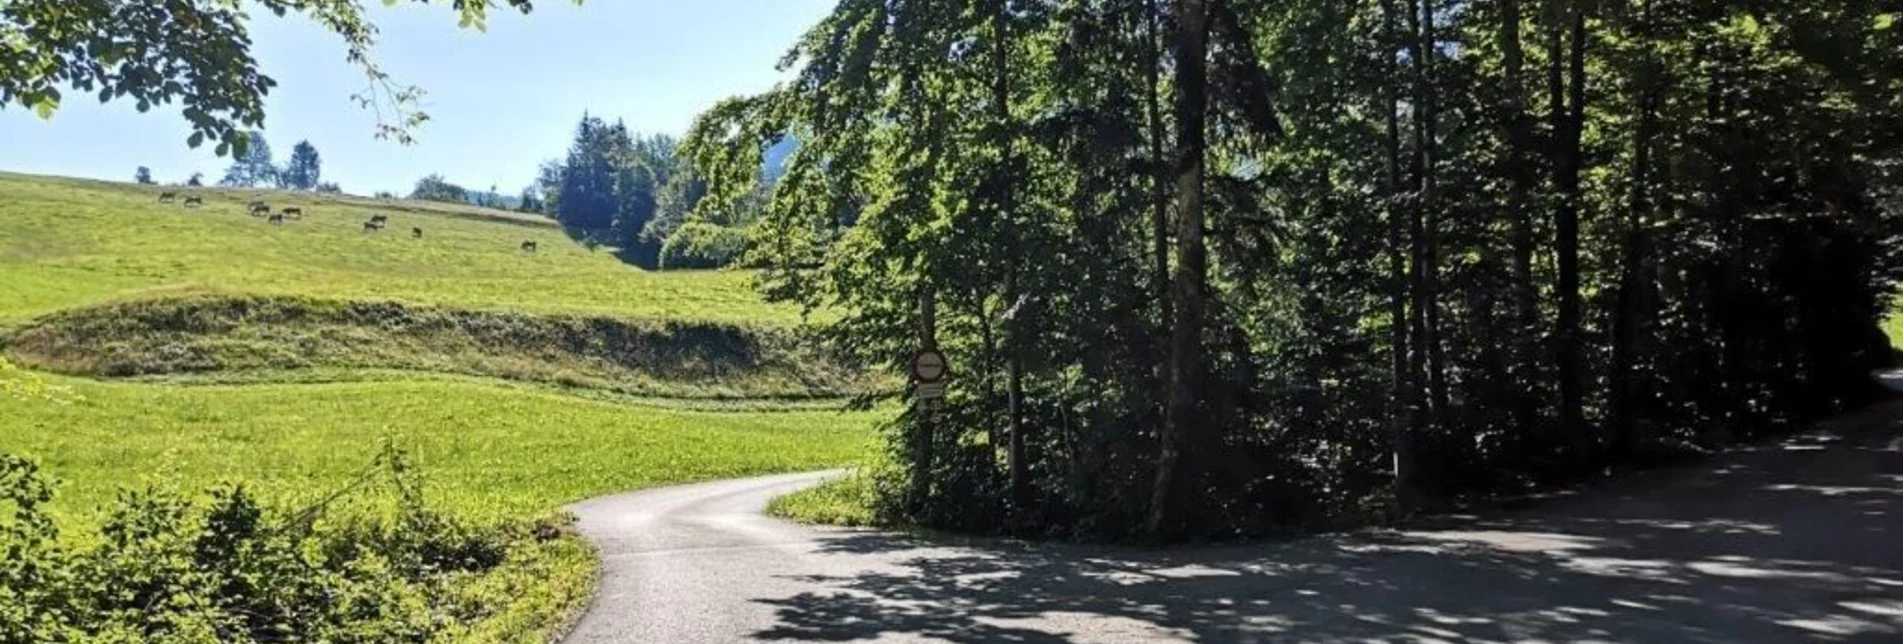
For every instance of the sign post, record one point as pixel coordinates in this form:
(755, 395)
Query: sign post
(928, 377)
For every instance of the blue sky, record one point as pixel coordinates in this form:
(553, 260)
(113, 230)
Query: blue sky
(500, 102)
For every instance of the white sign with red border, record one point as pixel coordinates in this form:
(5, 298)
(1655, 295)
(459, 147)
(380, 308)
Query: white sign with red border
(928, 366)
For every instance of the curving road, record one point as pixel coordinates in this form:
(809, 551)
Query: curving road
(1794, 541)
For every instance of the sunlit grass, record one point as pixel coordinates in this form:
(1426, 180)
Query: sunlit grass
(489, 452)
(1893, 327)
(67, 243)
(845, 501)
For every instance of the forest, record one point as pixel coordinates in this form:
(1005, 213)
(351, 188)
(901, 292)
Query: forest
(1215, 268)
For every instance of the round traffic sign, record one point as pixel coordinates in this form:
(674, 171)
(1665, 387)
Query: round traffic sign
(928, 366)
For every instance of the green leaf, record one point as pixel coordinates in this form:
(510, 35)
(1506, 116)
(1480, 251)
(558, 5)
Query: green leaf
(45, 106)
(224, 148)
(1886, 21)
(195, 140)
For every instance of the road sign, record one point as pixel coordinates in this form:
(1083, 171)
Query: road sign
(929, 391)
(928, 366)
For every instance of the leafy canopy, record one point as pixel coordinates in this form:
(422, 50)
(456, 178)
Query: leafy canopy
(194, 52)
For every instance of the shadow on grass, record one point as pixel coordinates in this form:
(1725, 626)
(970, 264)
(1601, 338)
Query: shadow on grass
(1794, 541)
(642, 255)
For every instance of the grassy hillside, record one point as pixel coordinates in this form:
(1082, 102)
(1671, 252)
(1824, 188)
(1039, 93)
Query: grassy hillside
(66, 243)
(203, 346)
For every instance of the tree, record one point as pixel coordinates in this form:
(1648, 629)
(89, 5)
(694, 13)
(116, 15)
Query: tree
(1568, 112)
(588, 199)
(329, 188)
(435, 188)
(675, 203)
(255, 167)
(117, 53)
(1190, 297)
(304, 170)
(143, 176)
(548, 187)
(197, 179)
(1182, 442)
(609, 188)
(530, 201)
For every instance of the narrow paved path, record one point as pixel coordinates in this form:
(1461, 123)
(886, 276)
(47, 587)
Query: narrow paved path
(1794, 541)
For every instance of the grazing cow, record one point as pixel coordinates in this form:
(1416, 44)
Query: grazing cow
(294, 211)
(380, 219)
(371, 227)
(528, 246)
(260, 209)
(194, 202)
(167, 197)
(416, 233)
(277, 219)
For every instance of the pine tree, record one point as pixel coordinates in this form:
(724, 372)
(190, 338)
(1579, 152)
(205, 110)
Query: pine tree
(588, 201)
(304, 170)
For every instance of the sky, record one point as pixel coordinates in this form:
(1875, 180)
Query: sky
(499, 102)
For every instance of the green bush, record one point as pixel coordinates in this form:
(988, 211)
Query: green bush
(698, 244)
(166, 568)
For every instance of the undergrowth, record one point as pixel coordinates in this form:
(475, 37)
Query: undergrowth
(164, 566)
(845, 501)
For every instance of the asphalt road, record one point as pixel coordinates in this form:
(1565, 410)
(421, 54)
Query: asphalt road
(1794, 541)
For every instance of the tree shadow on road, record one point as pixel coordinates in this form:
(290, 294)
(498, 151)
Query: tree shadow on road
(1794, 541)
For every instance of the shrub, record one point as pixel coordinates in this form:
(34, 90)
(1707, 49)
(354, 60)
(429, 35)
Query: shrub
(231, 569)
(699, 244)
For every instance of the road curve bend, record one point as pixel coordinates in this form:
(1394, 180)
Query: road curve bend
(1792, 541)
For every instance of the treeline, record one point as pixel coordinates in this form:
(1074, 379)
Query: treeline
(1211, 267)
(634, 192)
(255, 167)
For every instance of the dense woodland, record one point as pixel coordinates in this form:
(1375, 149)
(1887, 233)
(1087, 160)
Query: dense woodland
(1220, 267)
(635, 193)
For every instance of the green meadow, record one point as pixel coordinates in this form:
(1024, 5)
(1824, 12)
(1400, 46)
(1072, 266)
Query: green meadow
(67, 243)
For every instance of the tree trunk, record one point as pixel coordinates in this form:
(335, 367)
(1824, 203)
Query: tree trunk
(1421, 297)
(1405, 387)
(1519, 187)
(1180, 450)
(1012, 324)
(1159, 176)
(1631, 309)
(1568, 119)
(1430, 212)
